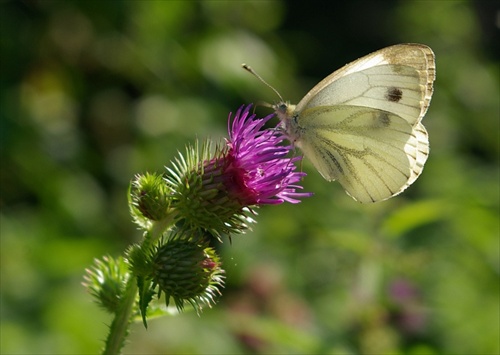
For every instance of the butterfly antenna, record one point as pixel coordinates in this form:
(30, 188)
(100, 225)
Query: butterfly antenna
(251, 71)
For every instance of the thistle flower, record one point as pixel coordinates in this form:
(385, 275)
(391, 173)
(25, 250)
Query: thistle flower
(218, 191)
(211, 191)
(262, 172)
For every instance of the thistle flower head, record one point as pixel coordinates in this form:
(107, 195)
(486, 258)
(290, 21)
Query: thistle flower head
(262, 173)
(217, 191)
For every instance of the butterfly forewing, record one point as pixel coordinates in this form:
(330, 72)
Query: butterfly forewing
(397, 79)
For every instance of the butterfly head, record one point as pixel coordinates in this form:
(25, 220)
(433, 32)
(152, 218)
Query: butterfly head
(288, 118)
(284, 111)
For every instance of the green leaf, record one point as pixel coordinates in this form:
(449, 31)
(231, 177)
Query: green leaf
(146, 294)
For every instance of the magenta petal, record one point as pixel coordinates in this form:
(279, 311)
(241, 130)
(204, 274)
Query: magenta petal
(269, 177)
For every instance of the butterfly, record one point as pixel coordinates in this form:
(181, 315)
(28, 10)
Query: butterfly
(361, 125)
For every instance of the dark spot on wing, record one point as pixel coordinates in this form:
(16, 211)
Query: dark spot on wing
(394, 94)
(384, 119)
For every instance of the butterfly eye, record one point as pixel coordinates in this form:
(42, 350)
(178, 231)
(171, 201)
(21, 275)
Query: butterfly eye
(282, 107)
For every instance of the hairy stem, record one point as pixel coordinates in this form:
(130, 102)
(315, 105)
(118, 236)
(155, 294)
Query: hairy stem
(123, 317)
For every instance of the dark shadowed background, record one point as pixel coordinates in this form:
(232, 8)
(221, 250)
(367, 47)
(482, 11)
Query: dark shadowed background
(94, 92)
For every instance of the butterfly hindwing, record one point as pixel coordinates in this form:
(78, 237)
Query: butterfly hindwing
(372, 153)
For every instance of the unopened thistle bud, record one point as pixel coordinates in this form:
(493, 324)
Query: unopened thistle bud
(187, 271)
(106, 282)
(149, 198)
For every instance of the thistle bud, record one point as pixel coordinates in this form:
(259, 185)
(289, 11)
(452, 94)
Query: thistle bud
(187, 271)
(106, 282)
(149, 198)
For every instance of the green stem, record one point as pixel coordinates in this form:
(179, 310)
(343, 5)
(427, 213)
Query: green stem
(124, 315)
(156, 232)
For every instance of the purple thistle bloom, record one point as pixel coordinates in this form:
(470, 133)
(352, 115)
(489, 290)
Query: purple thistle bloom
(261, 172)
(216, 191)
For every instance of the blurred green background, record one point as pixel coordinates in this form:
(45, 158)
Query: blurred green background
(94, 92)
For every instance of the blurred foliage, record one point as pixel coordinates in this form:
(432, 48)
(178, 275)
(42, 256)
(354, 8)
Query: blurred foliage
(93, 92)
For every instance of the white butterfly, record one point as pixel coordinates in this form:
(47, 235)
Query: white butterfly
(361, 125)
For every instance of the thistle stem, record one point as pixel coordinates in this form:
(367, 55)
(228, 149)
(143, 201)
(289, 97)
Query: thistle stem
(124, 315)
